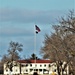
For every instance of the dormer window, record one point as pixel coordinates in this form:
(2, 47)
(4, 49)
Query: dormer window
(40, 65)
(49, 65)
(26, 65)
(30, 64)
(45, 65)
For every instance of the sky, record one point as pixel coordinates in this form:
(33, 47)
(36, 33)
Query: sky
(19, 17)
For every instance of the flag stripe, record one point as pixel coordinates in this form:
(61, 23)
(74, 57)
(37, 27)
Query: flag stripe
(37, 28)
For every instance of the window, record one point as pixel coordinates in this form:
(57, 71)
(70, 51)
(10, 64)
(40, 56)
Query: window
(44, 70)
(55, 70)
(40, 69)
(35, 69)
(30, 64)
(6, 70)
(40, 65)
(26, 65)
(45, 65)
(26, 70)
(31, 70)
(22, 65)
(35, 65)
(49, 65)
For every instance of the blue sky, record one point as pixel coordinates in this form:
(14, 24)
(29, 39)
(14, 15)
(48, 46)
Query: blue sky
(18, 17)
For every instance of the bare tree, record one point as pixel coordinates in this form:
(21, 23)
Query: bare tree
(60, 46)
(14, 48)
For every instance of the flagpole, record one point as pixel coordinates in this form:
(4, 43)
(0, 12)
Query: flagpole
(35, 43)
(36, 30)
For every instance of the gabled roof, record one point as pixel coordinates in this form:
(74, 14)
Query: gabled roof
(33, 61)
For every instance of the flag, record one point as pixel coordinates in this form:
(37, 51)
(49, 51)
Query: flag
(37, 29)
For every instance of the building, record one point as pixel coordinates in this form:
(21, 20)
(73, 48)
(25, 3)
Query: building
(31, 66)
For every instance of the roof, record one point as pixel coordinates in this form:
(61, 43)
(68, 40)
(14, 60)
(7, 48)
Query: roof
(33, 61)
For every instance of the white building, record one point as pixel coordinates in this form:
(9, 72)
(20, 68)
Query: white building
(30, 66)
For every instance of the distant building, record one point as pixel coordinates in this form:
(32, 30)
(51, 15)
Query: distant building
(31, 66)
